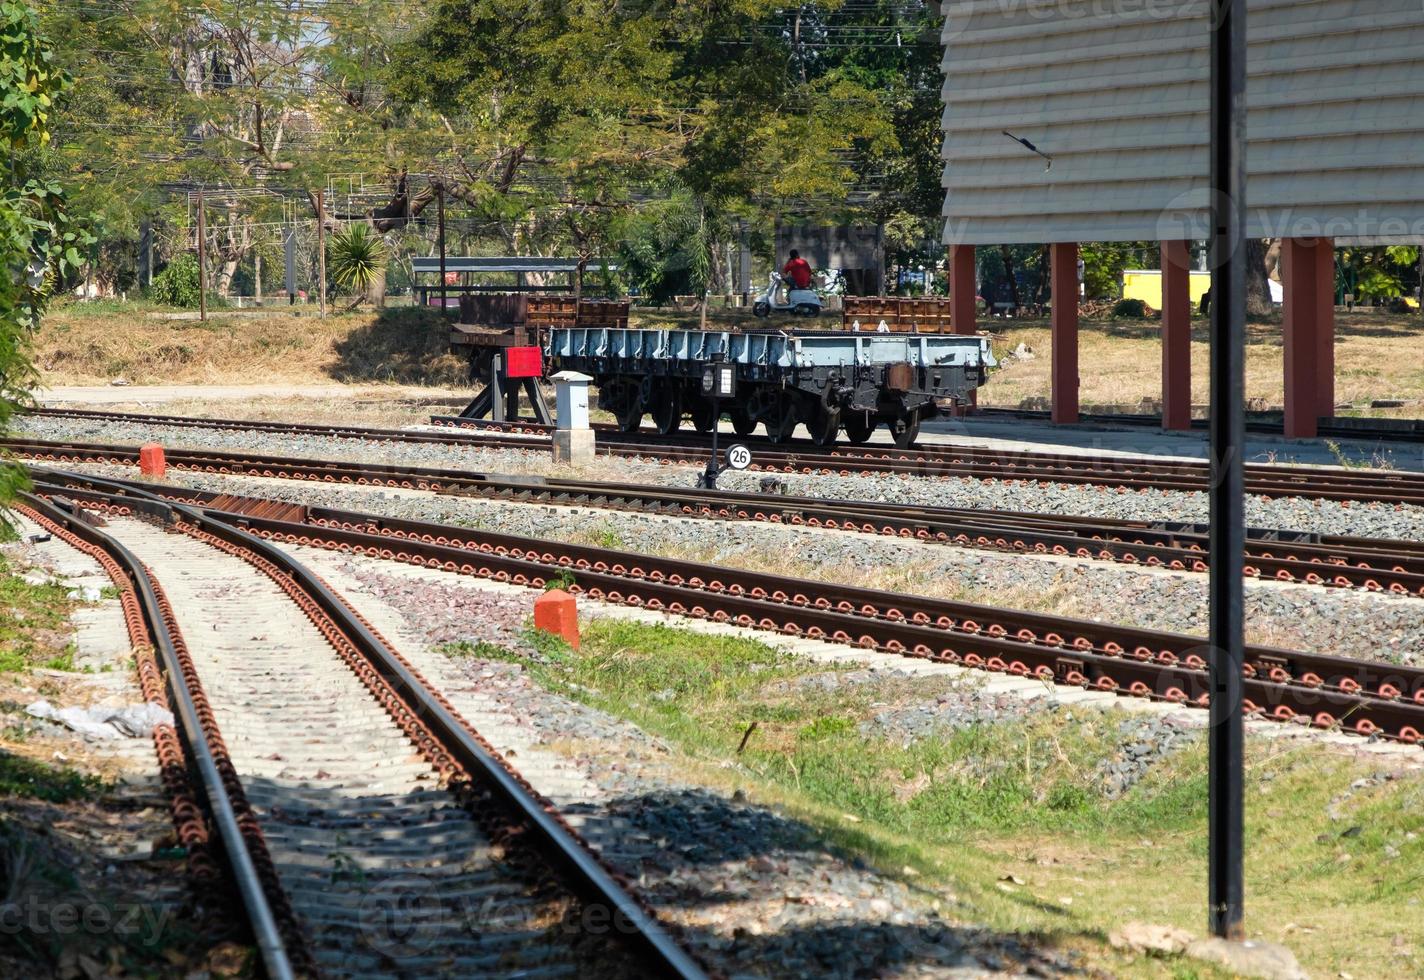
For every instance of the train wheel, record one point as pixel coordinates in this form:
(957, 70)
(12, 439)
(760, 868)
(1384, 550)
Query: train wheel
(859, 426)
(906, 430)
(626, 404)
(742, 421)
(704, 415)
(781, 420)
(824, 425)
(667, 410)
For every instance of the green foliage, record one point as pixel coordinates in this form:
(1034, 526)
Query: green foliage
(1104, 262)
(1129, 309)
(39, 243)
(21, 777)
(1378, 273)
(356, 258)
(31, 617)
(177, 285)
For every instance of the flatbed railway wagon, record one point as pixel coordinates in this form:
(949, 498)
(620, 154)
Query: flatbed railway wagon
(827, 380)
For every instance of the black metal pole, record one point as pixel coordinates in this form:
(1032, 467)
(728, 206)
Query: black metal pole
(1228, 438)
(714, 468)
(440, 200)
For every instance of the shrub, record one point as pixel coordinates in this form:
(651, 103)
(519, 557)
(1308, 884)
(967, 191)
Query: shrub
(1130, 309)
(357, 258)
(177, 285)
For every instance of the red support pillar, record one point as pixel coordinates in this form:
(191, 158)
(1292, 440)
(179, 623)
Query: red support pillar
(963, 310)
(1308, 281)
(1176, 336)
(1064, 260)
(1325, 327)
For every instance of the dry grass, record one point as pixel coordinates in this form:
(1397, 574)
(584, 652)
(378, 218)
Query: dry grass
(95, 343)
(1376, 356)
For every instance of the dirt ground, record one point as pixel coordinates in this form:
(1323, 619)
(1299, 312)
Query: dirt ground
(1378, 356)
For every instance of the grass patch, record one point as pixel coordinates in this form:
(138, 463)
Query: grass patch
(34, 623)
(28, 778)
(1012, 823)
(92, 343)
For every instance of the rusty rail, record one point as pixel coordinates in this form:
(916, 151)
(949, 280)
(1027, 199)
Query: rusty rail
(1366, 697)
(1328, 560)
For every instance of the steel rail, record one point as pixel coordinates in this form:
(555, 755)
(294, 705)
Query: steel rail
(1332, 560)
(242, 868)
(983, 462)
(1133, 472)
(561, 847)
(1363, 428)
(1367, 697)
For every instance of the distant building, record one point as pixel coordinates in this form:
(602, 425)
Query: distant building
(856, 251)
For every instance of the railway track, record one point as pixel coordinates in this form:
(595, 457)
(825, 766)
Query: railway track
(369, 829)
(1133, 473)
(1362, 696)
(1331, 560)
(1266, 423)
(985, 463)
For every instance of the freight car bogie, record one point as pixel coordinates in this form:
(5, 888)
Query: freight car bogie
(824, 380)
(824, 406)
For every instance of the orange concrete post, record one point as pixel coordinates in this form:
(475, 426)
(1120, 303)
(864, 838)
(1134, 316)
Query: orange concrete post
(963, 310)
(1308, 284)
(557, 612)
(1176, 336)
(151, 461)
(1063, 257)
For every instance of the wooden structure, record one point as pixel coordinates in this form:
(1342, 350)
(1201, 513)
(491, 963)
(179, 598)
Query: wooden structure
(497, 330)
(902, 314)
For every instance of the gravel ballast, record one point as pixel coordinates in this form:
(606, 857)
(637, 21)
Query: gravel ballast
(756, 892)
(1323, 516)
(1349, 623)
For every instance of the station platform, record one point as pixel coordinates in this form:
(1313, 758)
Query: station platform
(1096, 439)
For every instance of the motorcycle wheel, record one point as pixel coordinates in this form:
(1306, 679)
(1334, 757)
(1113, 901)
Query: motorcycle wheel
(761, 308)
(807, 309)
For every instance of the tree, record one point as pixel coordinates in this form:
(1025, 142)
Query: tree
(356, 260)
(39, 242)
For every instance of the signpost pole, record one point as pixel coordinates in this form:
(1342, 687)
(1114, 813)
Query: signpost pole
(1227, 533)
(202, 260)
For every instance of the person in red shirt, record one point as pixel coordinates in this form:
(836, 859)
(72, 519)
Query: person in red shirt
(798, 270)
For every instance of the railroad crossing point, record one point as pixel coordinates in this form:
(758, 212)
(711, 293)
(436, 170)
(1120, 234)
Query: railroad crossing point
(573, 439)
(151, 461)
(557, 612)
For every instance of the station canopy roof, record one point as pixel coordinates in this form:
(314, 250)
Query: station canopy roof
(503, 263)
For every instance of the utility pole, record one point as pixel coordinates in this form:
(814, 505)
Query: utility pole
(321, 249)
(145, 253)
(1227, 534)
(202, 262)
(440, 230)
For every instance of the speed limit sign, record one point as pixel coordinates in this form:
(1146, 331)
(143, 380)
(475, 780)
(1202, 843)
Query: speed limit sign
(739, 457)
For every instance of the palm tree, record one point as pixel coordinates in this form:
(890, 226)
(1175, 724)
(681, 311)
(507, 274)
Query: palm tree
(357, 259)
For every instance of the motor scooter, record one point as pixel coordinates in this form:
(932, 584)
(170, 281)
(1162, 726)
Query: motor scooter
(798, 302)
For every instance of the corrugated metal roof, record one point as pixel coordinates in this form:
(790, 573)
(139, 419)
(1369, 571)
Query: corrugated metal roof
(1115, 91)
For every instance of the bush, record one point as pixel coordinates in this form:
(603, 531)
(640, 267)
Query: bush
(177, 285)
(1130, 309)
